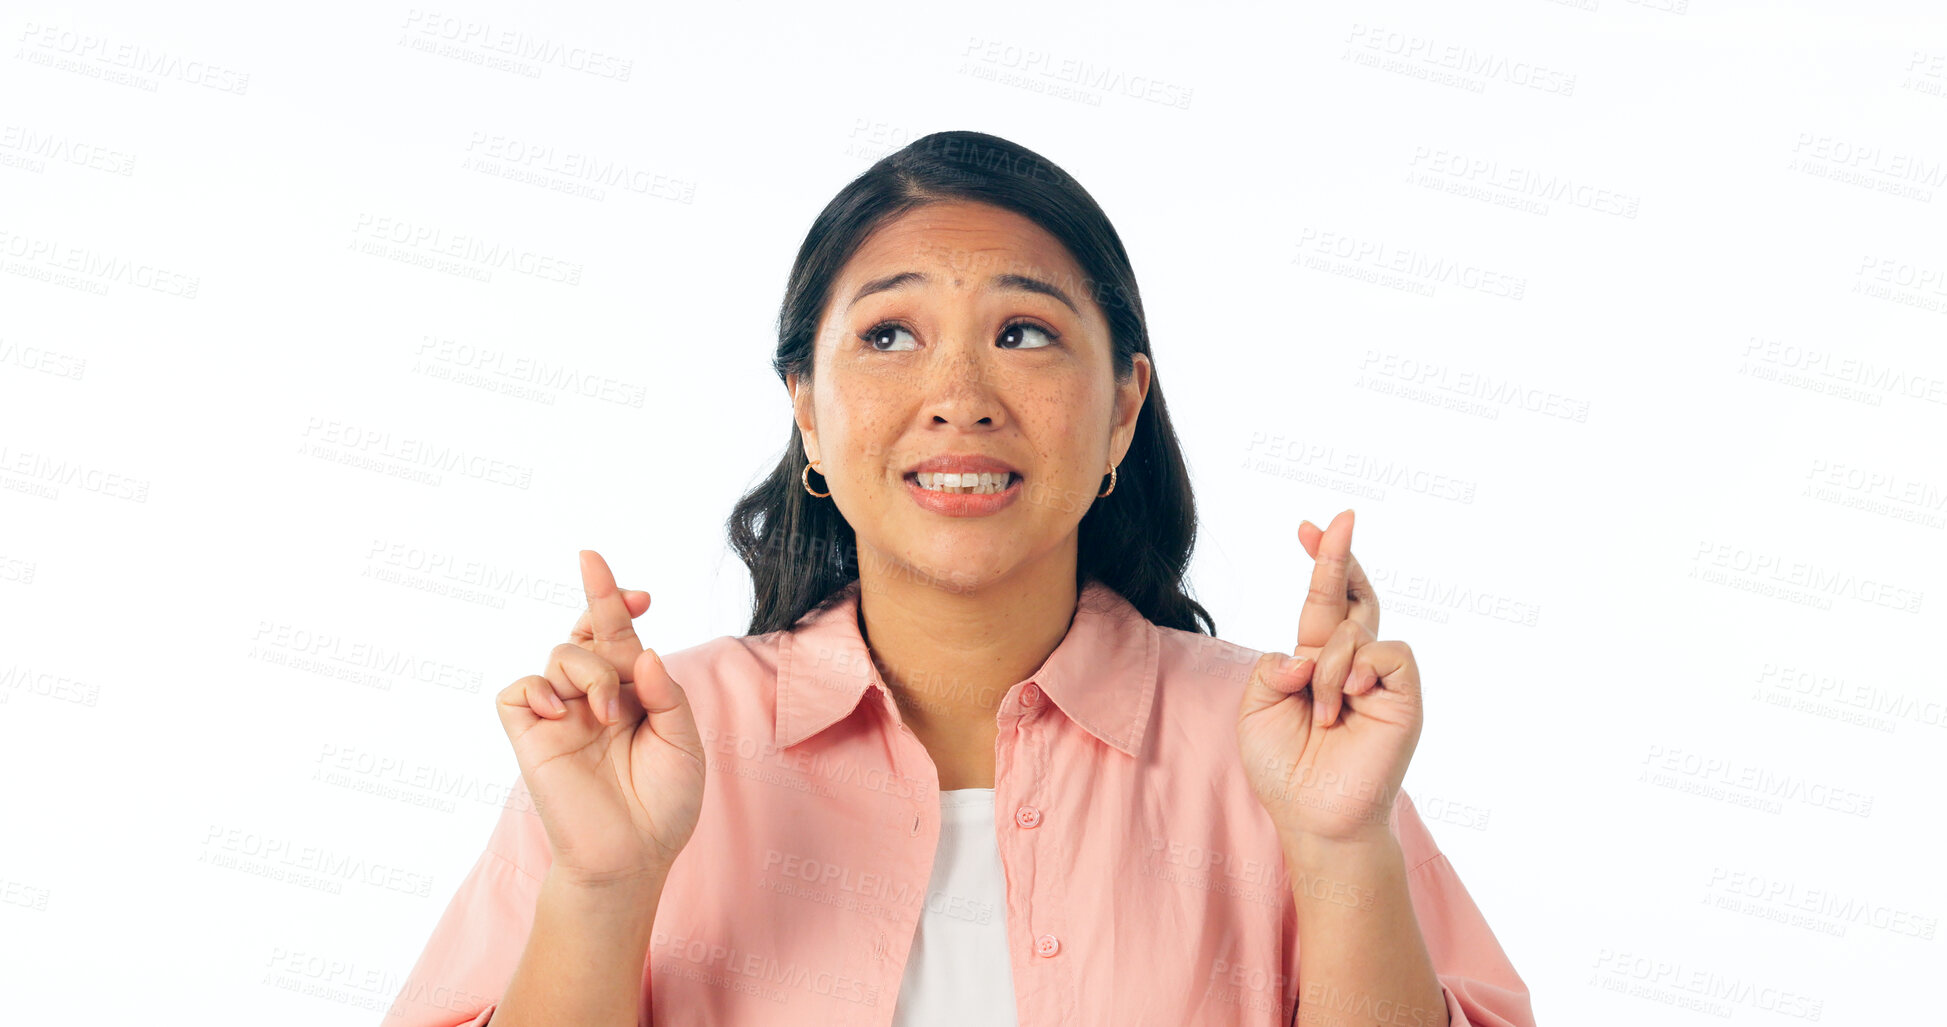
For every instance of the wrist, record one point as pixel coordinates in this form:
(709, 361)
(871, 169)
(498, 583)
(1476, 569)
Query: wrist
(635, 891)
(1303, 849)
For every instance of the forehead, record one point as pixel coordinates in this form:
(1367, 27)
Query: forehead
(961, 244)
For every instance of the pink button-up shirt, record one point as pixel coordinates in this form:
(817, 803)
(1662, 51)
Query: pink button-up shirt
(1145, 883)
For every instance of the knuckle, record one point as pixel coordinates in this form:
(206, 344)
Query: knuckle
(577, 655)
(582, 666)
(518, 690)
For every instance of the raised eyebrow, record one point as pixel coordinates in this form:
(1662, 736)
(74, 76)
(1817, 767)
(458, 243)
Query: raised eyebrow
(889, 282)
(1024, 283)
(1019, 283)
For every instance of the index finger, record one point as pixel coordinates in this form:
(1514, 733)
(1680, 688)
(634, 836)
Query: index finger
(1325, 603)
(608, 615)
(633, 597)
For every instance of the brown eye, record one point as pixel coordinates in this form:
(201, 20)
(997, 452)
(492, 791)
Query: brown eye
(1014, 336)
(881, 337)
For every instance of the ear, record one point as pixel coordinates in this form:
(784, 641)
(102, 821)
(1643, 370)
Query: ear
(800, 393)
(1129, 399)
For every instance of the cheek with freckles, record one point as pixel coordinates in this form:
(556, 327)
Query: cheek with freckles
(1067, 428)
(853, 425)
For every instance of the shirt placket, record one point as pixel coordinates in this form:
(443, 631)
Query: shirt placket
(910, 835)
(1028, 828)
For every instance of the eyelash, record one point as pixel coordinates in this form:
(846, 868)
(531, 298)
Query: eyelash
(869, 334)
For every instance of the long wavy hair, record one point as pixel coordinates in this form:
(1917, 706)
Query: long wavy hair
(1137, 540)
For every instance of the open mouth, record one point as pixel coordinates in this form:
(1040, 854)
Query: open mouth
(982, 484)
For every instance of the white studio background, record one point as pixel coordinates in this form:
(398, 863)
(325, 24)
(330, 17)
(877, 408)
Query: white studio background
(1619, 323)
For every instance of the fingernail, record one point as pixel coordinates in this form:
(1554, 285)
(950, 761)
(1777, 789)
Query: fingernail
(613, 710)
(555, 705)
(1292, 664)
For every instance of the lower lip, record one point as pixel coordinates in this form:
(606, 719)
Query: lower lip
(965, 504)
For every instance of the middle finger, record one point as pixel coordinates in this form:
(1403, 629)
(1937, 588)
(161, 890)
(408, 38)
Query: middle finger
(1325, 602)
(609, 619)
(1364, 599)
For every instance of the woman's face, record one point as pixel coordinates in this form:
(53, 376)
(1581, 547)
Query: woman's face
(962, 330)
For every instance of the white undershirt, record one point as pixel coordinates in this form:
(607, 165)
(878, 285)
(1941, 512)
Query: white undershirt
(960, 971)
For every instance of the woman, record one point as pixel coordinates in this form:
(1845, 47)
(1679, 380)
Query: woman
(979, 759)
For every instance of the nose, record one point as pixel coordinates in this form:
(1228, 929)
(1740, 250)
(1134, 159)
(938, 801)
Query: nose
(960, 388)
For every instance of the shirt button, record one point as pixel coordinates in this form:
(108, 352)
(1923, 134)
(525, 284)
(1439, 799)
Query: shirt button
(1027, 816)
(1047, 945)
(1031, 696)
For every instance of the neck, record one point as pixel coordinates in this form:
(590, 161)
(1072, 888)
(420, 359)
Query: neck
(950, 653)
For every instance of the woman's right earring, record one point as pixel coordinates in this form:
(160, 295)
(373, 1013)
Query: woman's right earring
(805, 477)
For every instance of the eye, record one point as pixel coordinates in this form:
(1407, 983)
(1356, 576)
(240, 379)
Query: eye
(880, 332)
(1020, 330)
(880, 337)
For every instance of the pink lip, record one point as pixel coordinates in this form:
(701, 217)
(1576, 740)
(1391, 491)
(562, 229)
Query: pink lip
(964, 504)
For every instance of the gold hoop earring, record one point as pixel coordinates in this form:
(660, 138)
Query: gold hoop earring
(805, 477)
(1099, 495)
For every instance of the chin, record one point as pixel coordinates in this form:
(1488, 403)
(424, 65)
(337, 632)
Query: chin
(953, 568)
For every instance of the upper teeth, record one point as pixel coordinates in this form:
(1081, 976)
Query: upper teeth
(971, 483)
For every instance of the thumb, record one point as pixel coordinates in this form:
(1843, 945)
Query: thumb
(665, 705)
(1272, 680)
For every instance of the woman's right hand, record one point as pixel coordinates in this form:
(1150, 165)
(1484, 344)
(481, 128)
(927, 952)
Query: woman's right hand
(607, 745)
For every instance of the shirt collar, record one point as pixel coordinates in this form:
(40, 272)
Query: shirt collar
(1102, 674)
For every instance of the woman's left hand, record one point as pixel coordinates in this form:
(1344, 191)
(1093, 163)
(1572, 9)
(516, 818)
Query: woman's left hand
(1326, 743)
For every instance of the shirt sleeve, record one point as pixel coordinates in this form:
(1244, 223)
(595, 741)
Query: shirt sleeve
(1481, 987)
(470, 958)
